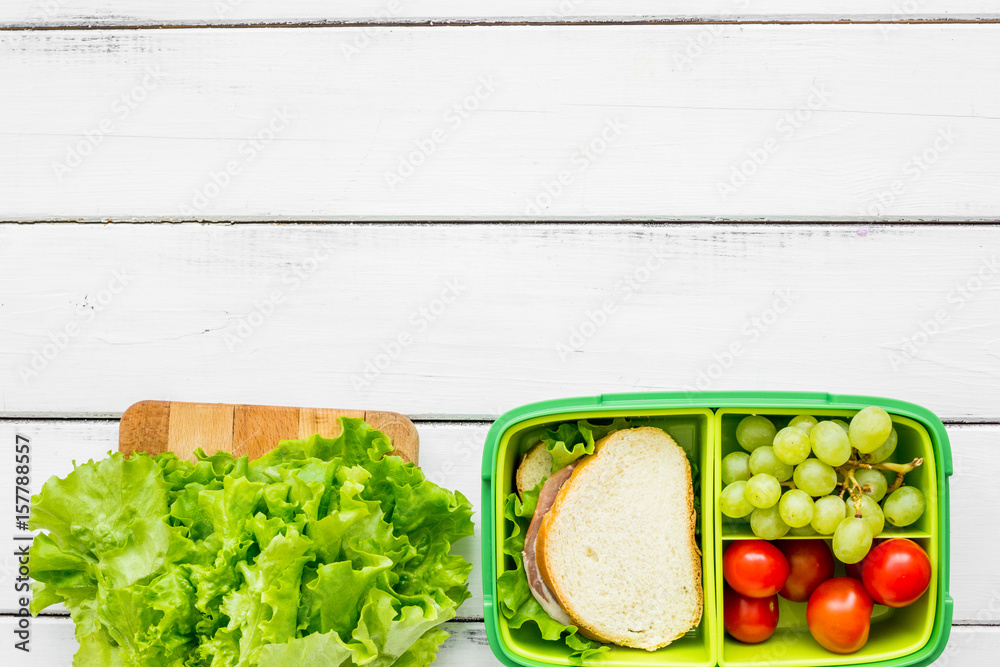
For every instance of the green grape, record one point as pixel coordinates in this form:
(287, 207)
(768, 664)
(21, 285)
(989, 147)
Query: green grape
(886, 449)
(803, 422)
(736, 467)
(791, 445)
(733, 500)
(870, 512)
(755, 431)
(796, 508)
(852, 540)
(763, 491)
(869, 429)
(815, 478)
(873, 479)
(830, 444)
(764, 462)
(903, 506)
(767, 524)
(828, 512)
(842, 424)
(804, 531)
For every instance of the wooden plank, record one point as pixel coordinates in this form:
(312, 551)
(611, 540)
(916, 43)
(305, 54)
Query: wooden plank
(316, 420)
(194, 425)
(53, 644)
(471, 320)
(679, 122)
(144, 427)
(53, 641)
(401, 432)
(245, 429)
(452, 455)
(226, 12)
(259, 428)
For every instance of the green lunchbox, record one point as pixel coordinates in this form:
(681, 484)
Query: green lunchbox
(704, 425)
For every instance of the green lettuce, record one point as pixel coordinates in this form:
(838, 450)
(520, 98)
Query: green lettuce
(573, 440)
(321, 552)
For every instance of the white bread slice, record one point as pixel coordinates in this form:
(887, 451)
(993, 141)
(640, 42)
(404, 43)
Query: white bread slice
(618, 549)
(535, 466)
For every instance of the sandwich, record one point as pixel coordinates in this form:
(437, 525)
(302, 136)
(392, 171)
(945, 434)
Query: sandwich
(611, 546)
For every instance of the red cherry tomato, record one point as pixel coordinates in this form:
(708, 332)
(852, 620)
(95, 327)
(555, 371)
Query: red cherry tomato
(755, 568)
(810, 563)
(839, 615)
(750, 620)
(896, 573)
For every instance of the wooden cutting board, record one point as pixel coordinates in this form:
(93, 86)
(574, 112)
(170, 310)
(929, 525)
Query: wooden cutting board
(159, 426)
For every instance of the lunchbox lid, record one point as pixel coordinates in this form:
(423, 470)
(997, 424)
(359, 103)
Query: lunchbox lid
(797, 400)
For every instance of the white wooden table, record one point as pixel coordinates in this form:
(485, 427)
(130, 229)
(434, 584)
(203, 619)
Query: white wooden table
(487, 203)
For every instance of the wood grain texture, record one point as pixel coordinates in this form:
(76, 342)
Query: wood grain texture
(53, 645)
(225, 12)
(970, 646)
(158, 426)
(680, 122)
(192, 425)
(494, 316)
(451, 456)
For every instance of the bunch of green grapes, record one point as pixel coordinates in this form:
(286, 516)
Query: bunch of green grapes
(820, 478)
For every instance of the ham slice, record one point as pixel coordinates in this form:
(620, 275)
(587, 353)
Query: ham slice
(546, 498)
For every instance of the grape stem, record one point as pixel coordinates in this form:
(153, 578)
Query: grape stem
(900, 468)
(855, 488)
(850, 484)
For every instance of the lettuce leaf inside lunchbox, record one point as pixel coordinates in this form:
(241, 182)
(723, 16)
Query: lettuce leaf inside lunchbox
(322, 552)
(567, 443)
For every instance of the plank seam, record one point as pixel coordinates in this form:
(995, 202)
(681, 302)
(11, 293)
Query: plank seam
(480, 619)
(457, 420)
(502, 23)
(776, 222)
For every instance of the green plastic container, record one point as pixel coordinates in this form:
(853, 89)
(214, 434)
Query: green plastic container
(704, 424)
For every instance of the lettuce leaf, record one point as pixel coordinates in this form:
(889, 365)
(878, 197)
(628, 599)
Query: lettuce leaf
(516, 602)
(573, 440)
(325, 551)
